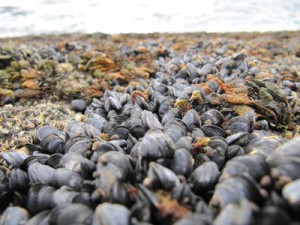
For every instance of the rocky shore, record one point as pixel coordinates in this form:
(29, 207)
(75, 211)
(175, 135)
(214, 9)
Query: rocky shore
(170, 126)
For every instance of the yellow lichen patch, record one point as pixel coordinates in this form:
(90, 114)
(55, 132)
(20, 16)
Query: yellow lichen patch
(169, 208)
(183, 105)
(31, 84)
(6, 92)
(196, 96)
(29, 73)
(201, 142)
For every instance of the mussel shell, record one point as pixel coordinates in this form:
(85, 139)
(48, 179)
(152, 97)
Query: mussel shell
(41, 218)
(211, 131)
(14, 159)
(192, 119)
(44, 131)
(77, 163)
(14, 215)
(63, 176)
(204, 177)
(71, 214)
(156, 144)
(63, 195)
(273, 215)
(105, 214)
(238, 213)
(160, 177)
(121, 132)
(118, 159)
(52, 143)
(18, 180)
(212, 117)
(291, 194)
(39, 173)
(182, 162)
(39, 198)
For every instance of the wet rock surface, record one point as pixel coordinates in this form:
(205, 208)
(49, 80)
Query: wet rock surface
(165, 129)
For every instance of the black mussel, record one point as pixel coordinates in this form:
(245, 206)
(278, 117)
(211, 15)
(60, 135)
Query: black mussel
(284, 169)
(5, 193)
(77, 163)
(104, 178)
(122, 193)
(204, 178)
(233, 151)
(291, 194)
(195, 219)
(78, 105)
(39, 173)
(212, 117)
(75, 128)
(263, 144)
(78, 144)
(200, 158)
(14, 216)
(18, 181)
(235, 214)
(192, 119)
(192, 71)
(39, 198)
(150, 120)
(138, 131)
(211, 131)
(237, 124)
(234, 189)
(182, 162)
(156, 144)
(171, 114)
(214, 147)
(63, 195)
(63, 176)
(112, 104)
(240, 138)
(175, 129)
(111, 214)
(71, 214)
(165, 106)
(184, 195)
(91, 131)
(120, 160)
(289, 148)
(44, 131)
(14, 159)
(54, 160)
(52, 143)
(197, 133)
(97, 121)
(145, 205)
(119, 132)
(41, 218)
(36, 157)
(160, 177)
(254, 165)
(272, 215)
(184, 142)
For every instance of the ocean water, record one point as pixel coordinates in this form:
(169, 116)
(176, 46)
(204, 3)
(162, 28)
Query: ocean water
(18, 18)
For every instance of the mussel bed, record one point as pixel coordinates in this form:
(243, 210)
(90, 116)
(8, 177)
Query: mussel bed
(188, 133)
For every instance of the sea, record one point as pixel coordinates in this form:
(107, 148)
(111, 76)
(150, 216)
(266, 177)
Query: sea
(35, 17)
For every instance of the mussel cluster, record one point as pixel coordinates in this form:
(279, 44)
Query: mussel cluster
(201, 143)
